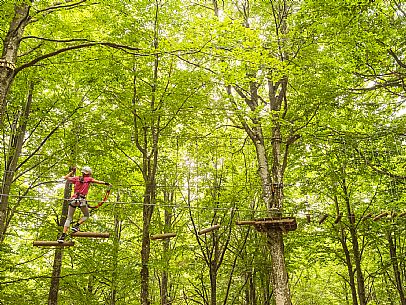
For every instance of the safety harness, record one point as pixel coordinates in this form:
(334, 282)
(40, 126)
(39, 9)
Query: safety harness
(78, 196)
(78, 200)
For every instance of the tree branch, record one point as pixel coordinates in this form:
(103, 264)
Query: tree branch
(76, 47)
(47, 137)
(379, 170)
(57, 6)
(397, 59)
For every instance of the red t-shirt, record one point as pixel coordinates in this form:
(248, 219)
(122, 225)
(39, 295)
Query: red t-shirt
(81, 185)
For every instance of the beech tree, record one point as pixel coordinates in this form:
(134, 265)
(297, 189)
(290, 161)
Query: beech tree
(253, 109)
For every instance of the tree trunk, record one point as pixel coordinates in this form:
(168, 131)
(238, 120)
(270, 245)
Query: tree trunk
(164, 284)
(13, 155)
(250, 294)
(57, 265)
(168, 198)
(11, 45)
(348, 262)
(149, 150)
(347, 255)
(213, 283)
(355, 248)
(279, 273)
(276, 196)
(271, 181)
(357, 259)
(56, 273)
(395, 266)
(116, 246)
(149, 196)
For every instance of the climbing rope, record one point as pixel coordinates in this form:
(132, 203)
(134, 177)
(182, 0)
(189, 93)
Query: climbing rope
(106, 196)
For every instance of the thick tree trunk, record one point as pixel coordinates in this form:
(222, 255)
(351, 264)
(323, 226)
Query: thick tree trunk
(149, 150)
(57, 265)
(11, 45)
(279, 273)
(271, 172)
(14, 152)
(273, 197)
(395, 266)
(271, 181)
(275, 237)
(56, 273)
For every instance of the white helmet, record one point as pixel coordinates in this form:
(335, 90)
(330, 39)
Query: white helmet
(86, 170)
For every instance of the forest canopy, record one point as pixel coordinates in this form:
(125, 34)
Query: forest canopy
(248, 152)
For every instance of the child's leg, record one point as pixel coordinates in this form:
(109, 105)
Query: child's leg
(69, 218)
(85, 211)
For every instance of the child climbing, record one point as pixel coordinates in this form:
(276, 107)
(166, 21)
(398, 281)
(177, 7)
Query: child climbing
(81, 188)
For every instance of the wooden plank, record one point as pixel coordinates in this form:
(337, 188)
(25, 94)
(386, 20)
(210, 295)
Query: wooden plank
(207, 230)
(266, 221)
(275, 221)
(91, 234)
(162, 236)
(379, 216)
(49, 243)
(266, 224)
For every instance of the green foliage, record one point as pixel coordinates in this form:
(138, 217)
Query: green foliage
(345, 99)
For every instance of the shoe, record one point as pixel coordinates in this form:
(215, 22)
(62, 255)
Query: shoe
(76, 228)
(61, 238)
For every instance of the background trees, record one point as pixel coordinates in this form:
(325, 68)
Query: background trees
(177, 104)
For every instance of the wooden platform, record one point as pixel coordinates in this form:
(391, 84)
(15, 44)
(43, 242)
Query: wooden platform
(91, 234)
(284, 224)
(49, 243)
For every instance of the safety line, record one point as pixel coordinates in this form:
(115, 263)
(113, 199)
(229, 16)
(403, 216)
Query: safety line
(301, 214)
